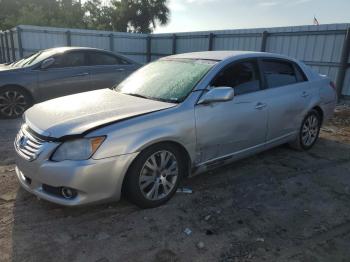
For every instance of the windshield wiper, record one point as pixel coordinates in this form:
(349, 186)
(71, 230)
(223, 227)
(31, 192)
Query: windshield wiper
(137, 95)
(153, 98)
(174, 101)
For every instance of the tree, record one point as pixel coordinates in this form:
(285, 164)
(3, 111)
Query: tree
(61, 13)
(97, 16)
(9, 12)
(139, 15)
(37, 12)
(69, 14)
(120, 15)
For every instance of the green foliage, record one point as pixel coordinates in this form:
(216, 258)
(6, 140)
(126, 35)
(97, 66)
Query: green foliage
(139, 15)
(119, 15)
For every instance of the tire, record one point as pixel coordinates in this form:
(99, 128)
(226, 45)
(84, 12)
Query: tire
(308, 132)
(146, 174)
(13, 102)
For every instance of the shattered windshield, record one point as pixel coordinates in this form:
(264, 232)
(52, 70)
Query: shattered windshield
(166, 80)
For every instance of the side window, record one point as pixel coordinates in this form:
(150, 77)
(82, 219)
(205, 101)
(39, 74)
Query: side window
(278, 73)
(300, 74)
(96, 58)
(71, 59)
(242, 76)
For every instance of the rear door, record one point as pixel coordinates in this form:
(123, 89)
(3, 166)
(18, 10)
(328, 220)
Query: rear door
(68, 75)
(107, 70)
(288, 95)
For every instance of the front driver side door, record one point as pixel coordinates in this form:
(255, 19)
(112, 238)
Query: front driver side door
(68, 75)
(224, 128)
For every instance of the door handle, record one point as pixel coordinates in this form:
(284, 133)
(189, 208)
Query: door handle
(81, 74)
(305, 94)
(120, 69)
(260, 106)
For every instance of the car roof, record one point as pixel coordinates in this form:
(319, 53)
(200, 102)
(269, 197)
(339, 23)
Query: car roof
(223, 55)
(68, 48)
(64, 49)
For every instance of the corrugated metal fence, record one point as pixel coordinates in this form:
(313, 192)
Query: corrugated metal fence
(326, 48)
(22, 41)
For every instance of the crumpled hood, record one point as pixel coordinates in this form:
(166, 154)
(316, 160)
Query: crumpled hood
(75, 114)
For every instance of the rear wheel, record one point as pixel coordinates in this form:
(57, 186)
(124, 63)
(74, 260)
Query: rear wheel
(154, 176)
(309, 131)
(13, 102)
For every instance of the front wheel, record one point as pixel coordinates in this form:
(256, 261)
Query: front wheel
(13, 102)
(154, 176)
(309, 131)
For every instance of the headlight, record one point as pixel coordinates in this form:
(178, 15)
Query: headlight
(77, 149)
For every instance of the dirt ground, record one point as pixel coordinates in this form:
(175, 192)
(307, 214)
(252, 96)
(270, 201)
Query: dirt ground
(280, 205)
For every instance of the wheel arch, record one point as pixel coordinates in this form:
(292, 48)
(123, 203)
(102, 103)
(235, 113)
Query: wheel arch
(21, 88)
(320, 112)
(179, 146)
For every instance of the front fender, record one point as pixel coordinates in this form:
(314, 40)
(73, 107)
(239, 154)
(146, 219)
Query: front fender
(133, 135)
(154, 136)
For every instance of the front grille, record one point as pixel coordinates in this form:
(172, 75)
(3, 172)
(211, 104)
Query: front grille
(27, 144)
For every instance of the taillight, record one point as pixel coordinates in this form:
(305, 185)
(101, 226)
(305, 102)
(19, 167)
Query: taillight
(332, 85)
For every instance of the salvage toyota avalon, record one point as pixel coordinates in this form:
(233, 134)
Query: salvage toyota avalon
(176, 117)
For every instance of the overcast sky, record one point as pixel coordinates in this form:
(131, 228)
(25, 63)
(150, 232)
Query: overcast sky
(193, 15)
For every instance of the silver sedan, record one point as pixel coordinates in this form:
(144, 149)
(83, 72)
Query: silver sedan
(176, 117)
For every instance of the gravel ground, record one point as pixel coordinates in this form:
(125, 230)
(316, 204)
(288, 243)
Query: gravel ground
(280, 205)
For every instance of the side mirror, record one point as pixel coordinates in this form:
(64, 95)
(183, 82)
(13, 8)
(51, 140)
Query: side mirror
(217, 94)
(47, 63)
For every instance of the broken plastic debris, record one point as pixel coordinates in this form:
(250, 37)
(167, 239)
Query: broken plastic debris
(185, 190)
(260, 239)
(188, 231)
(328, 130)
(200, 245)
(207, 217)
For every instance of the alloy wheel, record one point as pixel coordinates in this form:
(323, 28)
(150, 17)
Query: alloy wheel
(310, 130)
(12, 103)
(159, 175)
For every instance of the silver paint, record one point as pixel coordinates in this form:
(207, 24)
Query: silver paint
(158, 175)
(211, 134)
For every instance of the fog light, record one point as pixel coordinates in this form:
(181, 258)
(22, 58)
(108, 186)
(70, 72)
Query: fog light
(68, 193)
